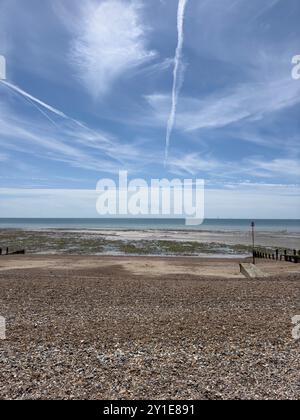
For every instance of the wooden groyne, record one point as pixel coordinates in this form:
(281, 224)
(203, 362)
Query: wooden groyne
(288, 256)
(6, 252)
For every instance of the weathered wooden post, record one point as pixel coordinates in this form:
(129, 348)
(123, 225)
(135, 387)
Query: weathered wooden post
(253, 241)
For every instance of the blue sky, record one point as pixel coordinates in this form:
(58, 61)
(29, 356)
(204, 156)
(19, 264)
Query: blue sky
(108, 67)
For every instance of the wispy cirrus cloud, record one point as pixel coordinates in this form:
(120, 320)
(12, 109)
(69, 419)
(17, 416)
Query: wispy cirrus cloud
(249, 101)
(286, 167)
(109, 40)
(193, 164)
(66, 141)
(248, 168)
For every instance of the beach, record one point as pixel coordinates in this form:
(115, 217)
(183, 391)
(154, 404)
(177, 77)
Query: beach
(149, 202)
(153, 242)
(95, 327)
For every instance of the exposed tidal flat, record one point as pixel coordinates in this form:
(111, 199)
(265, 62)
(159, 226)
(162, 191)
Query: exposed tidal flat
(156, 242)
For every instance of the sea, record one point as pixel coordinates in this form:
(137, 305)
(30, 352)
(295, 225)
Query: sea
(209, 225)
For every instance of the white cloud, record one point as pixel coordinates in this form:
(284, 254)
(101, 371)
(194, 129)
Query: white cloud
(110, 39)
(244, 201)
(192, 164)
(66, 141)
(253, 202)
(248, 101)
(195, 164)
(285, 167)
(47, 203)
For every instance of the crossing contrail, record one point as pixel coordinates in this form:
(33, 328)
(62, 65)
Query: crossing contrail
(32, 98)
(41, 106)
(177, 74)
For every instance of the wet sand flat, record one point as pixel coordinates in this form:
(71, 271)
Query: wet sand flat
(147, 328)
(145, 242)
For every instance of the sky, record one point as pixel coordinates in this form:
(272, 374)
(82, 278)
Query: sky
(104, 71)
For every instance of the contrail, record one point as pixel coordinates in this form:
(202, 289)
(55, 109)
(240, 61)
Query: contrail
(40, 105)
(32, 98)
(35, 105)
(177, 77)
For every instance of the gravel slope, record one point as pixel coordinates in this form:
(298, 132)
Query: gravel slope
(106, 333)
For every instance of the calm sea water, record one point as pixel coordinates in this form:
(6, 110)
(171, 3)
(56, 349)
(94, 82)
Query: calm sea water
(141, 224)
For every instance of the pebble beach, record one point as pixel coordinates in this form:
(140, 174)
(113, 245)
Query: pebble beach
(147, 328)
